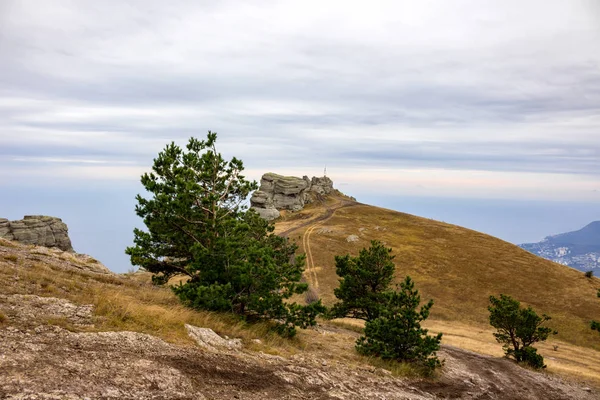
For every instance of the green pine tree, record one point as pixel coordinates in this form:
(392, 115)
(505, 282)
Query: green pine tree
(363, 281)
(392, 322)
(396, 334)
(198, 227)
(518, 329)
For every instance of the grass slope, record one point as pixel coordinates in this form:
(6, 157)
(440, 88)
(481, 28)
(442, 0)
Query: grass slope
(457, 267)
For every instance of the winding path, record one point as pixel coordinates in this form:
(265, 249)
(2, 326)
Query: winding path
(310, 271)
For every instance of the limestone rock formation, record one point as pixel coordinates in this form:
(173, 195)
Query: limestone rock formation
(278, 192)
(39, 230)
(322, 185)
(209, 340)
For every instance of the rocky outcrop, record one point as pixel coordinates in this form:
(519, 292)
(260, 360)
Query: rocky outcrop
(278, 192)
(39, 230)
(322, 185)
(49, 362)
(26, 256)
(31, 309)
(209, 340)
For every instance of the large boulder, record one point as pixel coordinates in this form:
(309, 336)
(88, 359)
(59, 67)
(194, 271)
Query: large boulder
(278, 192)
(39, 230)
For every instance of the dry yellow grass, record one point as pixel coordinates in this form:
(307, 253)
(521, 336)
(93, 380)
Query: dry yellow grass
(10, 258)
(458, 268)
(130, 303)
(568, 359)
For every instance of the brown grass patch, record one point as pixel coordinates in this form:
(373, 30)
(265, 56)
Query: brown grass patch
(459, 269)
(10, 257)
(6, 243)
(132, 303)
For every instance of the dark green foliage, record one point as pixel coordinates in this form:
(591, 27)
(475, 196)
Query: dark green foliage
(589, 274)
(529, 356)
(197, 226)
(518, 328)
(595, 324)
(392, 322)
(363, 281)
(396, 334)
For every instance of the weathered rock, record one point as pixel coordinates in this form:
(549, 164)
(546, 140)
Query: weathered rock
(4, 227)
(19, 255)
(268, 213)
(209, 340)
(352, 238)
(39, 230)
(54, 363)
(278, 192)
(262, 201)
(31, 309)
(322, 185)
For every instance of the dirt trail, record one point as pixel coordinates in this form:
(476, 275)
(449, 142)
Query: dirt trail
(311, 273)
(329, 211)
(310, 263)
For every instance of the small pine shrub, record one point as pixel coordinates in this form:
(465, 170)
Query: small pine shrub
(528, 355)
(397, 333)
(589, 274)
(518, 329)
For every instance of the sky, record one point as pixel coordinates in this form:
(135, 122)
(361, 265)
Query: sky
(480, 113)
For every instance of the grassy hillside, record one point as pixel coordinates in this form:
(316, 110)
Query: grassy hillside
(457, 267)
(130, 302)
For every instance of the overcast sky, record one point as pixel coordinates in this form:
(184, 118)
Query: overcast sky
(475, 99)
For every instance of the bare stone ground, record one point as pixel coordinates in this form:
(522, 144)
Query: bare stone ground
(48, 362)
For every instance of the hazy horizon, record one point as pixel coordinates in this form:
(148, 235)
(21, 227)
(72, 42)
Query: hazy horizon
(101, 220)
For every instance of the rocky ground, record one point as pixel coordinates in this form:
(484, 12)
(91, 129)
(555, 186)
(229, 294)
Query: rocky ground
(50, 348)
(41, 361)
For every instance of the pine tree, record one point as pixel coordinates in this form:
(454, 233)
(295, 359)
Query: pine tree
(518, 329)
(396, 334)
(363, 281)
(198, 227)
(392, 323)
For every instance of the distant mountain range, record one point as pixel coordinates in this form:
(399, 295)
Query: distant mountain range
(579, 249)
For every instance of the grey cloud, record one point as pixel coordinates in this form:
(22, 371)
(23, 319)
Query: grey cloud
(488, 157)
(465, 94)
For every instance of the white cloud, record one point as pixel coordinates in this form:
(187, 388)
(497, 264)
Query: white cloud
(510, 89)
